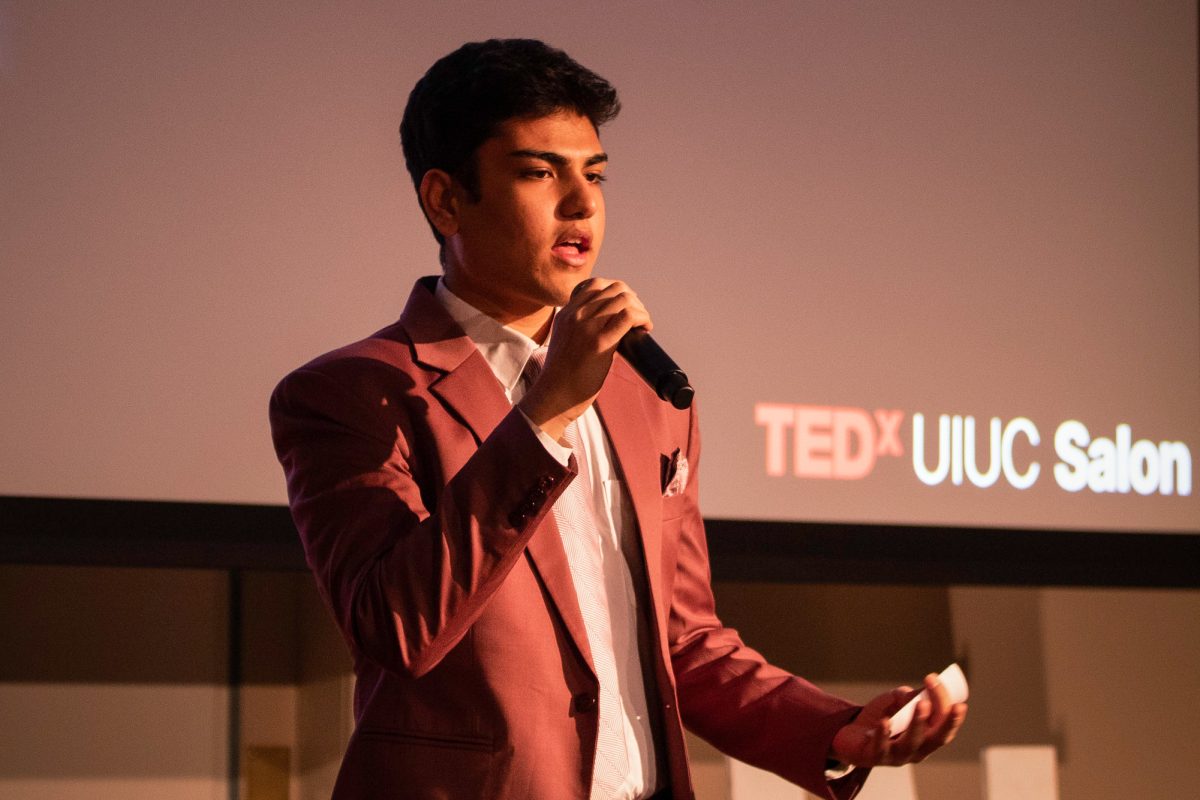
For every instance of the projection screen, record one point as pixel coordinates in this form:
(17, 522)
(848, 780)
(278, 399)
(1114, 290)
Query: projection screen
(925, 263)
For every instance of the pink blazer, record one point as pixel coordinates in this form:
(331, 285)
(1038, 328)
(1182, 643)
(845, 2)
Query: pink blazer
(422, 500)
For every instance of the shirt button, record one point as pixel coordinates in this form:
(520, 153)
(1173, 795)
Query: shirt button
(584, 702)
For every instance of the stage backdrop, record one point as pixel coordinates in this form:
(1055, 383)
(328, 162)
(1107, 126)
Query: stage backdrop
(930, 262)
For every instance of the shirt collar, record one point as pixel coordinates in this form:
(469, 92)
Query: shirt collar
(505, 350)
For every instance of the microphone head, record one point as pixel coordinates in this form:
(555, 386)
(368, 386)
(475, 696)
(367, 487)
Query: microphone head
(675, 389)
(682, 398)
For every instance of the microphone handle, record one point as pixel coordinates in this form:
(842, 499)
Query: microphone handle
(656, 367)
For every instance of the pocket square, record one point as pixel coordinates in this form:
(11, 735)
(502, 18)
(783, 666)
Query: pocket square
(674, 474)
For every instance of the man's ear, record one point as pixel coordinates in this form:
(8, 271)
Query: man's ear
(440, 198)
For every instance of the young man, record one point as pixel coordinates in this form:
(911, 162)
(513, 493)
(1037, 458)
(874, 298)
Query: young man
(509, 535)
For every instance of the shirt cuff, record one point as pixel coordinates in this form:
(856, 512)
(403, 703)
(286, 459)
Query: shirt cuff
(561, 454)
(836, 770)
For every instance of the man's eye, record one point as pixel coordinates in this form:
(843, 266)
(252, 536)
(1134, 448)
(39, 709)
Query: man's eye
(597, 177)
(537, 173)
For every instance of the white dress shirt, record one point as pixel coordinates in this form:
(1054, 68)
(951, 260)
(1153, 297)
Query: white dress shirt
(506, 352)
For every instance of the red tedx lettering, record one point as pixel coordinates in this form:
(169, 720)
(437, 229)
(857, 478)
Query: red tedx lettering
(814, 440)
(777, 418)
(889, 432)
(852, 460)
(827, 441)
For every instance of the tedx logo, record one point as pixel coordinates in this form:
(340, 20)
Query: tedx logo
(827, 441)
(846, 443)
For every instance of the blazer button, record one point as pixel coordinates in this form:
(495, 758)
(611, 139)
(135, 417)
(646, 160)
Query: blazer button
(584, 702)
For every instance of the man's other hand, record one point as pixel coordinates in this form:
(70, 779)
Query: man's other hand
(867, 741)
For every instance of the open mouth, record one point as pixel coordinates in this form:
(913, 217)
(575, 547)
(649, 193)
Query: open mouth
(573, 247)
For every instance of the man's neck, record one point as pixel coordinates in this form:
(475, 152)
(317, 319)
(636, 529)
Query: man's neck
(535, 324)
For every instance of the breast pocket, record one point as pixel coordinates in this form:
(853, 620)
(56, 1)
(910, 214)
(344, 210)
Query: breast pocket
(673, 508)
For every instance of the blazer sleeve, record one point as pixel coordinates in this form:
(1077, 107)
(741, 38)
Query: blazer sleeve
(406, 564)
(728, 693)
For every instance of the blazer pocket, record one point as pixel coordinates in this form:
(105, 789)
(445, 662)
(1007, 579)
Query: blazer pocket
(385, 762)
(452, 740)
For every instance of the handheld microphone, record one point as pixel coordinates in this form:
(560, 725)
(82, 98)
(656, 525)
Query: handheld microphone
(656, 367)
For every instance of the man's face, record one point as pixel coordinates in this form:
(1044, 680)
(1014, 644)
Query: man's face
(536, 230)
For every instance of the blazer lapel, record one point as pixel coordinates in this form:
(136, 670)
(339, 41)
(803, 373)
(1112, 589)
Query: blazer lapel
(620, 408)
(549, 558)
(467, 386)
(470, 390)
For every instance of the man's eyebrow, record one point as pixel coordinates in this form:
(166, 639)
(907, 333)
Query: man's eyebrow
(557, 159)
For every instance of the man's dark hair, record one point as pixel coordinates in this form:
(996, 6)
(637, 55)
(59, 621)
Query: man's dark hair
(465, 96)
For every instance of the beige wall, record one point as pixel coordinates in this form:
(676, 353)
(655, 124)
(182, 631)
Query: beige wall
(114, 680)
(113, 684)
(1108, 676)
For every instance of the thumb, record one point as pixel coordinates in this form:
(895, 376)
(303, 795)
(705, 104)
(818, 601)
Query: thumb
(899, 696)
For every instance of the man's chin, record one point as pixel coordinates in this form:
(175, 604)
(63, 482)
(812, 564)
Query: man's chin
(561, 291)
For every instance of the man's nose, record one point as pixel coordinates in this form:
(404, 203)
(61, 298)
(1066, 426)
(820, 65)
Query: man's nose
(579, 200)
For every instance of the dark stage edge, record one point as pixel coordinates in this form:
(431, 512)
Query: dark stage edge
(139, 533)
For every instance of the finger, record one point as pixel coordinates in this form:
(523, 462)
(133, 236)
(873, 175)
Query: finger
(624, 320)
(939, 696)
(879, 743)
(900, 696)
(958, 715)
(620, 303)
(620, 323)
(921, 734)
(943, 737)
(610, 301)
(615, 306)
(906, 747)
(589, 290)
(589, 286)
(587, 304)
(610, 298)
(949, 728)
